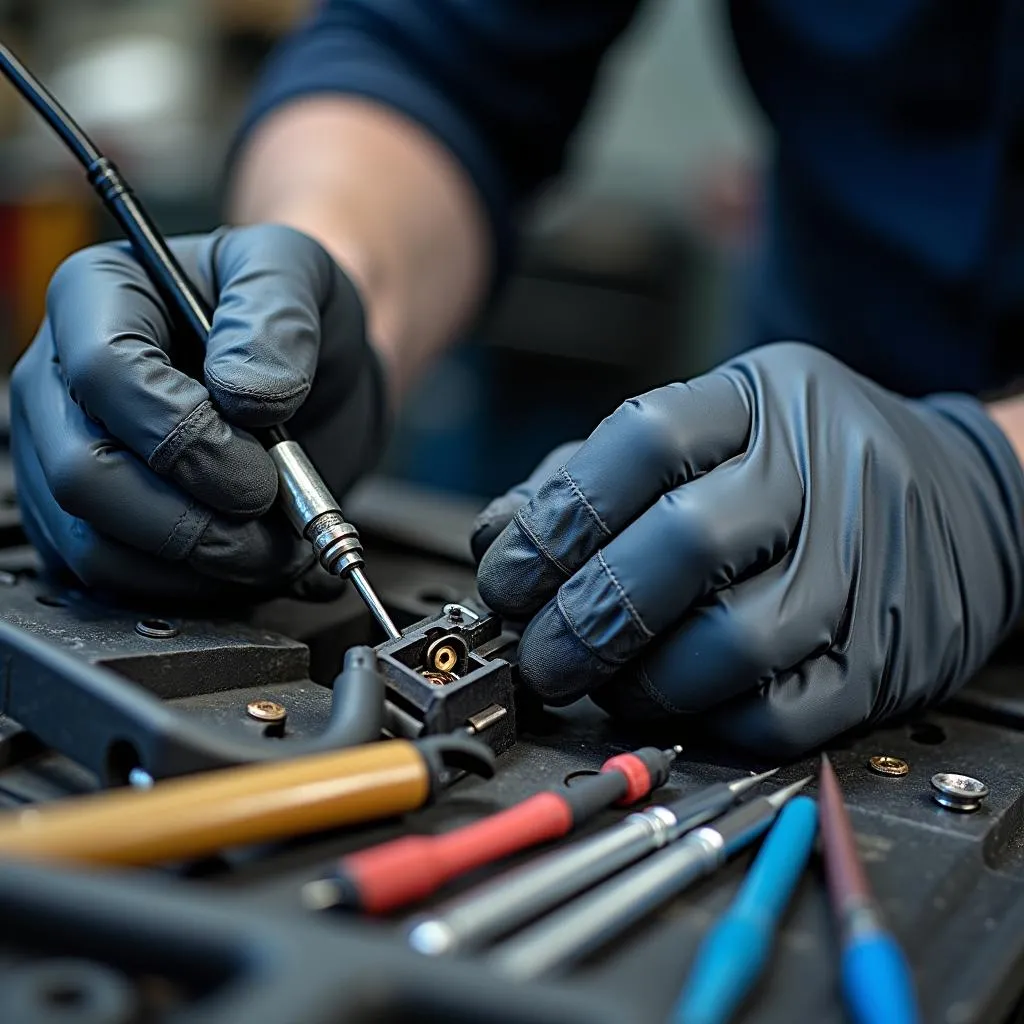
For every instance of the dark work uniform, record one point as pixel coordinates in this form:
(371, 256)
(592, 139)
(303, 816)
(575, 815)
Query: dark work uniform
(894, 233)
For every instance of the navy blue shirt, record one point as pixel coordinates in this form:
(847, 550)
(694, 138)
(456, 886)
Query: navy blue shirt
(894, 233)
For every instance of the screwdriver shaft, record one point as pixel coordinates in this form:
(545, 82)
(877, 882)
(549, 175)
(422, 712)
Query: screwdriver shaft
(370, 599)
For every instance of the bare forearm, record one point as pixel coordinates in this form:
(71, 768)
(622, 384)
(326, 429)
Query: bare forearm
(1009, 415)
(390, 204)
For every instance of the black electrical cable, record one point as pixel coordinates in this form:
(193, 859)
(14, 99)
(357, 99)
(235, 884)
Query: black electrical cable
(117, 196)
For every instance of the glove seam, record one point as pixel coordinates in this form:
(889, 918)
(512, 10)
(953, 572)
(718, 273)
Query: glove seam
(579, 636)
(166, 453)
(186, 541)
(624, 597)
(582, 498)
(520, 521)
(653, 693)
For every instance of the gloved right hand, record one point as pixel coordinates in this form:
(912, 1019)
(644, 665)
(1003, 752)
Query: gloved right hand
(144, 481)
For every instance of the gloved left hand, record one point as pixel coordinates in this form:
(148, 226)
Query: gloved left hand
(780, 546)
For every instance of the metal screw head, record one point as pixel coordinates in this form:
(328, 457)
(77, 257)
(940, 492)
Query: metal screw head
(459, 613)
(266, 710)
(156, 629)
(885, 765)
(958, 792)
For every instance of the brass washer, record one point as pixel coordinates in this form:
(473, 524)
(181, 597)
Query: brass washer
(885, 765)
(266, 710)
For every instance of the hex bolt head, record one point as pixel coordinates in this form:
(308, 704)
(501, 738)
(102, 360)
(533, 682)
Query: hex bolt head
(266, 710)
(883, 764)
(958, 792)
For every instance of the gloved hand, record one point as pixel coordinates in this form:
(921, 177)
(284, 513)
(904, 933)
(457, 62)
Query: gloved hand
(780, 547)
(144, 481)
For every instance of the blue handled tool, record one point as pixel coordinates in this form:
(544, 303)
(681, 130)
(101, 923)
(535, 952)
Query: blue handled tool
(734, 953)
(877, 981)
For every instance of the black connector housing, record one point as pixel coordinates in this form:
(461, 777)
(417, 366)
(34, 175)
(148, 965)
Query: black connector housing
(484, 676)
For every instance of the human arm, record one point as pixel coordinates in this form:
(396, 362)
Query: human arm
(1008, 413)
(402, 137)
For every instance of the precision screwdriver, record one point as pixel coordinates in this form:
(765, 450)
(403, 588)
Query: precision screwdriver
(588, 923)
(307, 501)
(393, 874)
(877, 982)
(509, 901)
(735, 952)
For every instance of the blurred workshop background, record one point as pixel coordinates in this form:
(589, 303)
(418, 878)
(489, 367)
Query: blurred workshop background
(624, 277)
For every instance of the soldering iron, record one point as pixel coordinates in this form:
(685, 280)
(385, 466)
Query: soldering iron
(305, 498)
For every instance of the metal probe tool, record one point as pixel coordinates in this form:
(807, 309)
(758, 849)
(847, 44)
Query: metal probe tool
(517, 897)
(305, 498)
(565, 937)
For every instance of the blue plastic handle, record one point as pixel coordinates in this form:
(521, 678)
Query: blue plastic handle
(734, 953)
(877, 981)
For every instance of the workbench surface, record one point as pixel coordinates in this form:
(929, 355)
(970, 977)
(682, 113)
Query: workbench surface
(228, 940)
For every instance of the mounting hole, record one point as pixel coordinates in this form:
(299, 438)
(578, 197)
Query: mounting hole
(50, 601)
(156, 629)
(122, 760)
(65, 991)
(9, 499)
(436, 595)
(927, 733)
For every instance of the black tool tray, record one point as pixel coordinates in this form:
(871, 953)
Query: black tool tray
(226, 940)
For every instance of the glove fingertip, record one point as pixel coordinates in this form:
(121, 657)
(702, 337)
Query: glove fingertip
(489, 523)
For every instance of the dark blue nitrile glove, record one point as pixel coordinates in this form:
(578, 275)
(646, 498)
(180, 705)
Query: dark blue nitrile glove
(143, 481)
(780, 546)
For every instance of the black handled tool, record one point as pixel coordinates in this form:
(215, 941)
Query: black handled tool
(306, 499)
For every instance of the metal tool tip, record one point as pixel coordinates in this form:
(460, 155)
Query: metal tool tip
(780, 796)
(749, 781)
(321, 894)
(672, 752)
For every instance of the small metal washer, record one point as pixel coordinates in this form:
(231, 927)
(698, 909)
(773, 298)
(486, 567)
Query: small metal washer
(266, 710)
(156, 629)
(958, 792)
(883, 764)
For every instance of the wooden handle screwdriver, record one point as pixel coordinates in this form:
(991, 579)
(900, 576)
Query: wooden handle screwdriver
(198, 815)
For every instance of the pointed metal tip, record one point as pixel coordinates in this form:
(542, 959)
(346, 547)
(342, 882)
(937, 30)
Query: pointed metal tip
(673, 752)
(780, 796)
(749, 782)
(678, 748)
